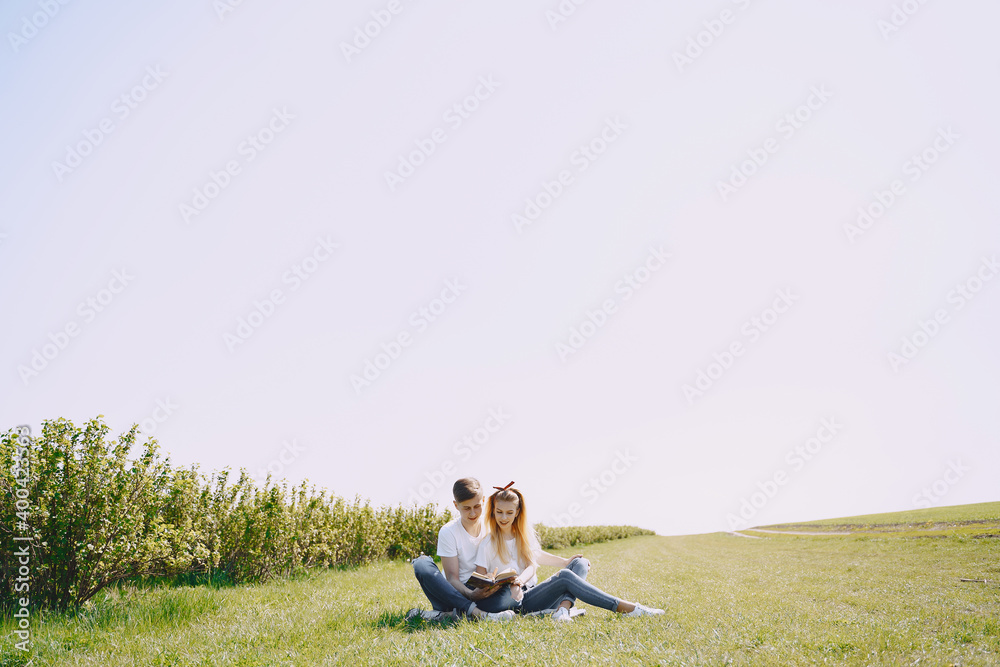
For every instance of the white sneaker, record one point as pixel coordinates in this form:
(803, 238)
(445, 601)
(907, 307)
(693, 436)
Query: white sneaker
(642, 610)
(505, 615)
(562, 614)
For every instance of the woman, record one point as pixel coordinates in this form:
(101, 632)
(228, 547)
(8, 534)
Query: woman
(512, 544)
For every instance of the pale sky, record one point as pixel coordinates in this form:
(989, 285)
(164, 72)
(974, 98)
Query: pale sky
(614, 254)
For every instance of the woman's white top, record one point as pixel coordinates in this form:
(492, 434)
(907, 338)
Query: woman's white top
(487, 557)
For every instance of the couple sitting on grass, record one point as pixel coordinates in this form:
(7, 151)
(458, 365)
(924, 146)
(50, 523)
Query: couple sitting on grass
(504, 541)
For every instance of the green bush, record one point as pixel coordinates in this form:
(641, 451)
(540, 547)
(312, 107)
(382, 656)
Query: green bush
(571, 536)
(94, 514)
(98, 517)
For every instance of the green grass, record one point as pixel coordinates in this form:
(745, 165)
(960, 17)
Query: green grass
(874, 599)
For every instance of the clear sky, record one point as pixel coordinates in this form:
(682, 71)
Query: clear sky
(660, 263)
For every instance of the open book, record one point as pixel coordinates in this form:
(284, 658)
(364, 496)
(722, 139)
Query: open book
(486, 580)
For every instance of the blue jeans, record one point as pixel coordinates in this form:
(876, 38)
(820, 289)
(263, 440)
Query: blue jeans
(439, 591)
(565, 584)
(551, 592)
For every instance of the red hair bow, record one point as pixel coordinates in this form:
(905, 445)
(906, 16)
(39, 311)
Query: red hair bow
(504, 488)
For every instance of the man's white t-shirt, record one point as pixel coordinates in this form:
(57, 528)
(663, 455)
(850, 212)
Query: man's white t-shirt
(454, 540)
(487, 557)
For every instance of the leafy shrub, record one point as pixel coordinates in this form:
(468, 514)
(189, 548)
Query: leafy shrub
(571, 536)
(94, 513)
(98, 517)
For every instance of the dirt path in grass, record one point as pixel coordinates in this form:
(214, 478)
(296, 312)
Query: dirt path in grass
(791, 532)
(989, 527)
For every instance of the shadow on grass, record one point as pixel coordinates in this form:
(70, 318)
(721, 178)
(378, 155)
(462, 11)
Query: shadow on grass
(218, 579)
(396, 620)
(10, 657)
(214, 580)
(134, 607)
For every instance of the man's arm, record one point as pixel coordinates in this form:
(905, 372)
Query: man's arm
(450, 565)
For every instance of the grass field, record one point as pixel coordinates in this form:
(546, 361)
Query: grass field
(876, 598)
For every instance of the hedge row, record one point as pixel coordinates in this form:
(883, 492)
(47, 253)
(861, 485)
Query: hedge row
(96, 517)
(571, 536)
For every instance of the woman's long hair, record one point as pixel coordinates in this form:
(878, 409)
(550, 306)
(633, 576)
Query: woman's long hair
(524, 535)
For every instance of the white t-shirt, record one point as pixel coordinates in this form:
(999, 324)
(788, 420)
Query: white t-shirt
(454, 540)
(487, 557)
